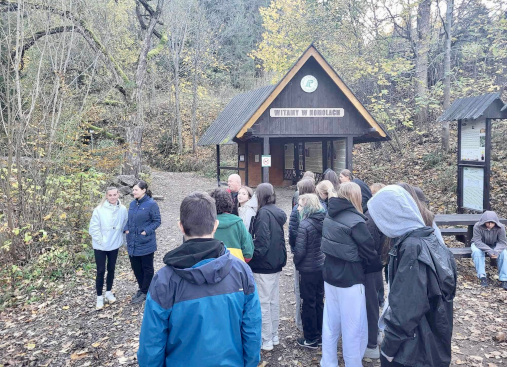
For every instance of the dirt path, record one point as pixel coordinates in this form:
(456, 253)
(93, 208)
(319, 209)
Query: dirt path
(65, 329)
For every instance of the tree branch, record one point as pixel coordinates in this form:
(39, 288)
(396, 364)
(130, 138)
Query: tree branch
(81, 27)
(30, 41)
(143, 24)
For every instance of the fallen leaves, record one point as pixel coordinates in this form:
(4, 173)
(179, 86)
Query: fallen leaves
(79, 354)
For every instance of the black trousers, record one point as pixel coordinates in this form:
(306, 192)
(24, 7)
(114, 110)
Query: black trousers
(311, 287)
(100, 261)
(385, 363)
(143, 270)
(371, 283)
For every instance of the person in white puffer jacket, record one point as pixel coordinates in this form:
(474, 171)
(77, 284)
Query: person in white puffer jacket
(106, 229)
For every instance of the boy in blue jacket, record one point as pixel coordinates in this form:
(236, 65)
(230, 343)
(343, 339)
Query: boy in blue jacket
(202, 308)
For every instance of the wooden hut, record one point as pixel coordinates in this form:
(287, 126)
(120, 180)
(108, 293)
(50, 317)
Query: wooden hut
(309, 121)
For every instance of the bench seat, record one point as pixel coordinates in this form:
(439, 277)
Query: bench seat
(453, 231)
(460, 252)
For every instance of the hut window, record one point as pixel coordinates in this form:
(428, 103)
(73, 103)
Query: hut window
(313, 160)
(289, 156)
(339, 154)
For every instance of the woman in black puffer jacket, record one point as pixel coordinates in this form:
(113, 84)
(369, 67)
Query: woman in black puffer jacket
(309, 259)
(350, 254)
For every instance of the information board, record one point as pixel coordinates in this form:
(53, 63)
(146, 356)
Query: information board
(473, 188)
(473, 141)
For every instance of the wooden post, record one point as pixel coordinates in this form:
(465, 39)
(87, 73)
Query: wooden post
(487, 166)
(350, 145)
(324, 155)
(460, 172)
(246, 163)
(218, 165)
(296, 161)
(265, 151)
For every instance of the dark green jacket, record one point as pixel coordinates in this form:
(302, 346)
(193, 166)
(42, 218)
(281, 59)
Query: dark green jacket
(233, 233)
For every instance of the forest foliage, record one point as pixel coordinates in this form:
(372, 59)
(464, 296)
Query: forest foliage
(89, 89)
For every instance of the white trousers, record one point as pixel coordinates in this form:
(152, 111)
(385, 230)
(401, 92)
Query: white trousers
(345, 316)
(269, 297)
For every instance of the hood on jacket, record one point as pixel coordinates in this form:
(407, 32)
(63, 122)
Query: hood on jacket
(252, 202)
(277, 213)
(317, 219)
(490, 216)
(394, 211)
(337, 205)
(200, 261)
(226, 220)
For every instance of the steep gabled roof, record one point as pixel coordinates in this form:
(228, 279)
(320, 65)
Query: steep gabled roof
(234, 116)
(245, 109)
(472, 108)
(311, 51)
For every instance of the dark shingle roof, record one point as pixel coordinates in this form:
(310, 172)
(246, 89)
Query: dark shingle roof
(234, 116)
(469, 108)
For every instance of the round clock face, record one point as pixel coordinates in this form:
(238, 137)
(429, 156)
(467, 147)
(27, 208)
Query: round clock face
(309, 83)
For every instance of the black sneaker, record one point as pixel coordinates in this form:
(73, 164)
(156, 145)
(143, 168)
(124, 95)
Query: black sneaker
(504, 285)
(139, 299)
(484, 282)
(136, 296)
(312, 344)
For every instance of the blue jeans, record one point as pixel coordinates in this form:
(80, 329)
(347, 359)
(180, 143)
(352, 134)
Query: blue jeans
(479, 258)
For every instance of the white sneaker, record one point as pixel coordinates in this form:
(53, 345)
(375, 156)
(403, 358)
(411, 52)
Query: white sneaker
(267, 346)
(100, 303)
(110, 297)
(372, 353)
(276, 340)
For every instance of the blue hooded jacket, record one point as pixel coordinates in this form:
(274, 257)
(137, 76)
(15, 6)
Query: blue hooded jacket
(143, 216)
(202, 309)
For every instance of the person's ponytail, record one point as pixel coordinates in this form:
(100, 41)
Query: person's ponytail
(144, 186)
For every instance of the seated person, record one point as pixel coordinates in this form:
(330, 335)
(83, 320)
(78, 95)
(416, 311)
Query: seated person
(489, 238)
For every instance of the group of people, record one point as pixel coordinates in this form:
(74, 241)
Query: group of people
(216, 302)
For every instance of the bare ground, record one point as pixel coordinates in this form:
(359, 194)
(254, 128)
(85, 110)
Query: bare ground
(63, 329)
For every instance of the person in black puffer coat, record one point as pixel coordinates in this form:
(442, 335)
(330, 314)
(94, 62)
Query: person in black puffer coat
(349, 250)
(309, 259)
(305, 186)
(270, 256)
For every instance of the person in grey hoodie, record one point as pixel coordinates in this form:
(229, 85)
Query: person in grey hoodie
(422, 281)
(489, 238)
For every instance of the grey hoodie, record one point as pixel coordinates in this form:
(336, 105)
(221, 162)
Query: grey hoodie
(493, 240)
(394, 211)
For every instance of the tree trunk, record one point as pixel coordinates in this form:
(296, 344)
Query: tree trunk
(447, 72)
(134, 130)
(421, 66)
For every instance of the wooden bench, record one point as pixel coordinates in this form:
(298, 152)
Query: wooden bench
(460, 233)
(461, 252)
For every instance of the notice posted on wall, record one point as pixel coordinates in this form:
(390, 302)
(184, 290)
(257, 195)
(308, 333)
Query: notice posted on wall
(473, 141)
(473, 188)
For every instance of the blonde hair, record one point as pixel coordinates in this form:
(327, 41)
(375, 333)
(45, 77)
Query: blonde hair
(109, 188)
(326, 187)
(351, 192)
(376, 187)
(311, 204)
(309, 175)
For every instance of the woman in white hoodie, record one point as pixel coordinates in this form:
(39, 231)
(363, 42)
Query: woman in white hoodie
(106, 229)
(247, 205)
